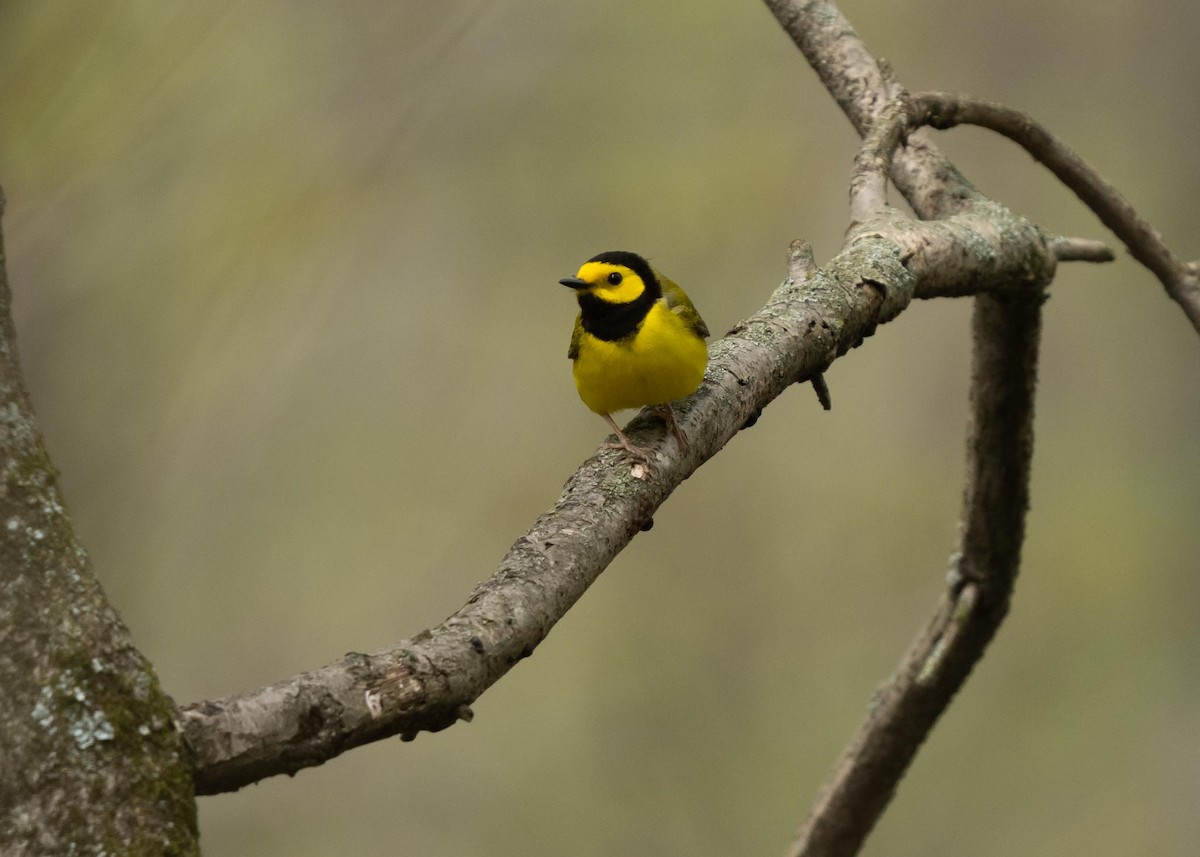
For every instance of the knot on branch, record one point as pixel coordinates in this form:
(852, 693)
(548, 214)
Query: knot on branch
(983, 247)
(873, 260)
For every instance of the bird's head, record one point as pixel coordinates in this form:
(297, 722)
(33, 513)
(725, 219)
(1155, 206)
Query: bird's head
(615, 277)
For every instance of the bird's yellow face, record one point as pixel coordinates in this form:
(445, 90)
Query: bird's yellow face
(611, 283)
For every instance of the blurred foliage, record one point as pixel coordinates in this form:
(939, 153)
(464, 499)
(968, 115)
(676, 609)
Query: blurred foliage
(285, 281)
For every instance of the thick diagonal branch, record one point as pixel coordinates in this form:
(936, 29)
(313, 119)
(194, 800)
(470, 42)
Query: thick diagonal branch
(427, 681)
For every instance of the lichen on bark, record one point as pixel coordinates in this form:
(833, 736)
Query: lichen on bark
(93, 761)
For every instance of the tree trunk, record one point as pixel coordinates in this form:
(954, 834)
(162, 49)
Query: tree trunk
(92, 759)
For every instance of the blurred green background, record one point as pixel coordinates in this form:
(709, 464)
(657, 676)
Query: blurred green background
(285, 283)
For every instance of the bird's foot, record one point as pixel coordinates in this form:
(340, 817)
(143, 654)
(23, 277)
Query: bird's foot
(668, 414)
(639, 454)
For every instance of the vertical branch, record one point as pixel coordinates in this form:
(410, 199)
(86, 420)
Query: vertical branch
(1007, 331)
(999, 449)
(1006, 336)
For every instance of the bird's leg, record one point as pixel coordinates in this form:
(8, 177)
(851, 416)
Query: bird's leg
(668, 414)
(636, 452)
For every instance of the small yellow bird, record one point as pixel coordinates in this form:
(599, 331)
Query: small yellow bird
(638, 340)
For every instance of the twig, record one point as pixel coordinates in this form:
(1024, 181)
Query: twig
(821, 388)
(1081, 250)
(801, 266)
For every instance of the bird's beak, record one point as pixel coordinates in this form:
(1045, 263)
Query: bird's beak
(574, 283)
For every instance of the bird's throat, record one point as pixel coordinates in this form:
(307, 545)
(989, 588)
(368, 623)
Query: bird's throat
(612, 322)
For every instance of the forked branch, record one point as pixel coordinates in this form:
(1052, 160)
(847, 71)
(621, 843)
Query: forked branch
(1006, 334)
(907, 113)
(428, 681)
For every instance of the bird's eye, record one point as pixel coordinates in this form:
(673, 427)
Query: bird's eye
(614, 279)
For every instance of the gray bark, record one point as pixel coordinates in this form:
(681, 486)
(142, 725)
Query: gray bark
(91, 759)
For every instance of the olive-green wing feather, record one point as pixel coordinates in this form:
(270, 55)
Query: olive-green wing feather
(680, 304)
(576, 336)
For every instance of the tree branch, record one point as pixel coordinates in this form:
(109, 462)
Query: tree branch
(942, 110)
(1006, 334)
(863, 87)
(100, 731)
(428, 681)
(999, 449)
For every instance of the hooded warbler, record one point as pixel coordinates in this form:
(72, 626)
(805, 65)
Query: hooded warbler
(638, 340)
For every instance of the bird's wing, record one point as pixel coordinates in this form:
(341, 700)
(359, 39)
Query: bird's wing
(576, 336)
(679, 303)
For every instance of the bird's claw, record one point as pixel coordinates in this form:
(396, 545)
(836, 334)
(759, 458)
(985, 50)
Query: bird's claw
(637, 453)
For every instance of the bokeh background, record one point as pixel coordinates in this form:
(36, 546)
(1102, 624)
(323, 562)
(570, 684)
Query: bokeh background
(285, 283)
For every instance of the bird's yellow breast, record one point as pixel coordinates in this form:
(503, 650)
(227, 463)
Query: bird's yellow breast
(662, 361)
